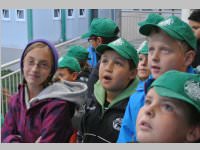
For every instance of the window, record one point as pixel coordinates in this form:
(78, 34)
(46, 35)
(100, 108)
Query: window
(5, 14)
(20, 15)
(70, 13)
(56, 14)
(81, 12)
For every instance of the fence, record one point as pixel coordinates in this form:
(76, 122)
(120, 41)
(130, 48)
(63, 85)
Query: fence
(10, 79)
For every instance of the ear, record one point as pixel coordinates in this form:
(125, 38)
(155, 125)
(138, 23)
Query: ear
(189, 57)
(193, 134)
(99, 40)
(74, 76)
(133, 74)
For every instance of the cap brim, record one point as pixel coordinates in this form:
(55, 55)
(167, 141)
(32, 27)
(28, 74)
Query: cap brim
(141, 23)
(102, 48)
(86, 35)
(171, 94)
(147, 28)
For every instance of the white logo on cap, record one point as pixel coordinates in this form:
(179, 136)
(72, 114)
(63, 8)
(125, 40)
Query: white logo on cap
(166, 22)
(192, 89)
(118, 42)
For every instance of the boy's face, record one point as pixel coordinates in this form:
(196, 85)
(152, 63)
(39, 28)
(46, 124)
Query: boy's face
(37, 66)
(65, 74)
(114, 71)
(165, 54)
(196, 28)
(95, 41)
(143, 69)
(162, 119)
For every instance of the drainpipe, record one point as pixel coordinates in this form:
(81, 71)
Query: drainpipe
(63, 24)
(89, 17)
(30, 24)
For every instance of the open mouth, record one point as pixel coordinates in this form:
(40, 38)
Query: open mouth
(145, 126)
(107, 78)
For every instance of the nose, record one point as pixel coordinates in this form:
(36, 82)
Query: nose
(109, 66)
(155, 56)
(149, 111)
(35, 67)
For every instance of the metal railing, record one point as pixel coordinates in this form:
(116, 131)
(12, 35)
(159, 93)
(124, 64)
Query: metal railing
(10, 79)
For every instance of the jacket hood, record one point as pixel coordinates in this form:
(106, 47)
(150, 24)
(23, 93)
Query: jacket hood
(74, 92)
(100, 93)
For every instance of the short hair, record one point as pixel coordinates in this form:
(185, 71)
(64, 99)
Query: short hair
(185, 46)
(195, 15)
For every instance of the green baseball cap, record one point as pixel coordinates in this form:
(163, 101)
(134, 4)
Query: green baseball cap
(152, 18)
(122, 47)
(104, 27)
(175, 28)
(79, 52)
(179, 85)
(143, 48)
(69, 62)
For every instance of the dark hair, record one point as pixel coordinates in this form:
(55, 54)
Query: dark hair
(106, 40)
(195, 15)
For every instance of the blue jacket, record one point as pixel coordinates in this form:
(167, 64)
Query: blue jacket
(136, 101)
(93, 57)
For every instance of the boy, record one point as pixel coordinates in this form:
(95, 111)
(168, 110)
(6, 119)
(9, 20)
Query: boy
(102, 31)
(171, 112)
(117, 81)
(81, 54)
(68, 68)
(126, 131)
(194, 22)
(171, 45)
(143, 69)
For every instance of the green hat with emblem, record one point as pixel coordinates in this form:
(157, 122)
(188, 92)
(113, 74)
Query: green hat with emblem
(123, 48)
(103, 27)
(143, 48)
(79, 52)
(69, 62)
(152, 18)
(175, 28)
(179, 85)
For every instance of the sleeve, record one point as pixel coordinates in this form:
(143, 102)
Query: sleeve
(9, 132)
(128, 129)
(56, 124)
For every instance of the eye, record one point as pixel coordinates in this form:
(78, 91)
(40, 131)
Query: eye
(147, 102)
(168, 107)
(151, 50)
(30, 62)
(165, 51)
(104, 60)
(118, 63)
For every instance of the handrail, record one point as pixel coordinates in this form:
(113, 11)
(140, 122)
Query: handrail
(57, 45)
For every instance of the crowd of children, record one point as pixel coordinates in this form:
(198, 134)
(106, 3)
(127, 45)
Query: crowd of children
(111, 92)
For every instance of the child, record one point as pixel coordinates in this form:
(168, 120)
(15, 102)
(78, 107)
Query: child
(68, 68)
(172, 46)
(40, 112)
(171, 112)
(127, 129)
(143, 69)
(194, 22)
(117, 81)
(102, 31)
(81, 54)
